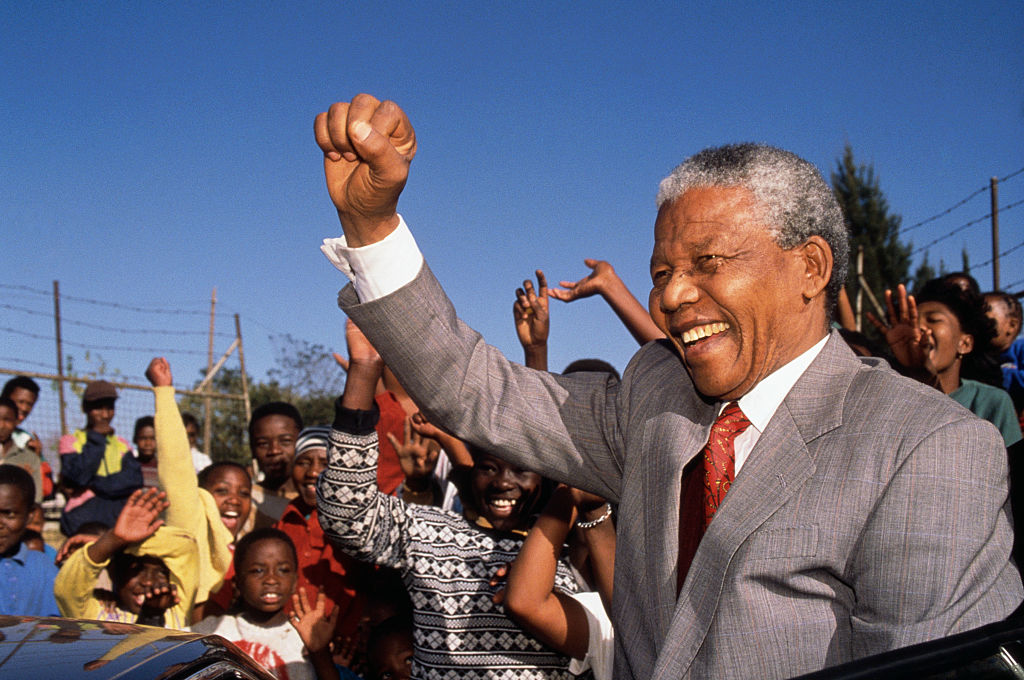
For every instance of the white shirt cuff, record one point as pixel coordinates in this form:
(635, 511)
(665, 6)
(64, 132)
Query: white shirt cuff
(380, 268)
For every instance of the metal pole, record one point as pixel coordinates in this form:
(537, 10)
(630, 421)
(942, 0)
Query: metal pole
(208, 402)
(241, 363)
(60, 358)
(993, 185)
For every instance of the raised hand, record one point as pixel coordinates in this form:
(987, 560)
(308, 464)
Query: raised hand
(159, 598)
(71, 545)
(140, 517)
(360, 351)
(159, 373)
(456, 450)
(368, 146)
(313, 626)
(530, 313)
(417, 454)
(906, 339)
(597, 281)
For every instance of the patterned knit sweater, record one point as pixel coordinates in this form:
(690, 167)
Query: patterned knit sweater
(446, 563)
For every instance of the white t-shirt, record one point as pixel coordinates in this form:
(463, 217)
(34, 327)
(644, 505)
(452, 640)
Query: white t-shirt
(278, 648)
(601, 639)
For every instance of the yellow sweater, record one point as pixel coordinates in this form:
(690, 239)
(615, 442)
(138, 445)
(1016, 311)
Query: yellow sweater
(191, 508)
(75, 584)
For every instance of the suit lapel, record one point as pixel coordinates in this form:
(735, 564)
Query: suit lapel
(776, 468)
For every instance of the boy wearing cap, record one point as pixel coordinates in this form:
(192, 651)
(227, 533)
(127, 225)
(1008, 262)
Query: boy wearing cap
(98, 469)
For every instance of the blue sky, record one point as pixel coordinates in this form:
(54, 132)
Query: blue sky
(153, 151)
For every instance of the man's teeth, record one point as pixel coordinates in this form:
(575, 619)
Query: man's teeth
(503, 502)
(700, 332)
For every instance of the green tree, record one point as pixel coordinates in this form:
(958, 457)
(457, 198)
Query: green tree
(886, 258)
(925, 272)
(305, 375)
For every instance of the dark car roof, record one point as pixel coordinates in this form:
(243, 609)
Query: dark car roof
(68, 649)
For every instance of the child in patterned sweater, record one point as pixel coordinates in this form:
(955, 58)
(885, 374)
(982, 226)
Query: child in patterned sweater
(445, 559)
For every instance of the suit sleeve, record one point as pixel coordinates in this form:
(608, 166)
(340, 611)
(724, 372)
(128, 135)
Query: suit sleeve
(564, 427)
(933, 560)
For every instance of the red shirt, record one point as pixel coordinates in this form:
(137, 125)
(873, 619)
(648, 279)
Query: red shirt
(392, 419)
(340, 576)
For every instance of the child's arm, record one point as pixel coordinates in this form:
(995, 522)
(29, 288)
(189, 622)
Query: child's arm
(190, 507)
(456, 451)
(316, 631)
(76, 579)
(530, 313)
(139, 520)
(604, 281)
(598, 530)
(355, 515)
(555, 618)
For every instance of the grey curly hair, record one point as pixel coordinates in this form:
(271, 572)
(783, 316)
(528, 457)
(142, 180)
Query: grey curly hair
(797, 202)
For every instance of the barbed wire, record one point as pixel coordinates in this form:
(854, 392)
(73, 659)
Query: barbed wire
(928, 245)
(116, 305)
(1002, 254)
(125, 331)
(957, 204)
(27, 362)
(115, 348)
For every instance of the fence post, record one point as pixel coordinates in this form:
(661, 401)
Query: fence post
(60, 358)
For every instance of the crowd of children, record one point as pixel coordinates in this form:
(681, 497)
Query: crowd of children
(379, 546)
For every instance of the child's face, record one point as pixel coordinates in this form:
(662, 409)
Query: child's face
(14, 511)
(231, 488)
(305, 470)
(504, 494)
(146, 573)
(98, 415)
(25, 400)
(145, 442)
(266, 578)
(273, 444)
(8, 421)
(391, 657)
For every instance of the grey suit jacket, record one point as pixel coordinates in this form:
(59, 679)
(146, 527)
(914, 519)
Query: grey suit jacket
(871, 514)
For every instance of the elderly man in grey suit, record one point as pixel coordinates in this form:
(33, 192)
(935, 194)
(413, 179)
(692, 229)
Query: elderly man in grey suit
(864, 511)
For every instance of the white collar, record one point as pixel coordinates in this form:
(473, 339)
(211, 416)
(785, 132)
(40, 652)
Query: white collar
(761, 402)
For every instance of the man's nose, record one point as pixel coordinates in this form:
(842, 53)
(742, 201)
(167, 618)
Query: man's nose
(680, 290)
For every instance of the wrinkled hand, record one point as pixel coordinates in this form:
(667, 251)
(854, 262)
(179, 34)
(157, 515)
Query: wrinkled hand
(140, 517)
(71, 545)
(313, 626)
(909, 343)
(368, 146)
(596, 282)
(417, 454)
(530, 312)
(159, 373)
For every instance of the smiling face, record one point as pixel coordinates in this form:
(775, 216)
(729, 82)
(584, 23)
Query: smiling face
(503, 494)
(231, 489)
(25, 400)
(267, 576)
(948, 341)
(14, 512)
(735, 304)
(306, 470)
(144, 574)
(273, 444)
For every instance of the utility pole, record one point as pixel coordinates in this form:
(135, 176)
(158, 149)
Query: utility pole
(60, 358)
(993, 185)
(207, 401)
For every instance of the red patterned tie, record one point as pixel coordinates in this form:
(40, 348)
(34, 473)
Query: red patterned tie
(720, 457)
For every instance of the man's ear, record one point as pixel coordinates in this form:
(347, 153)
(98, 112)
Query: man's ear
(816, 256)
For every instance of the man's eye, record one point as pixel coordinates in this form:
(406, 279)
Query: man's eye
(659, 275)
